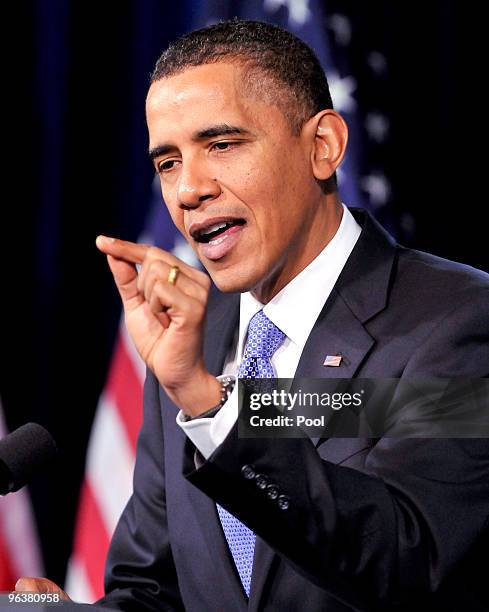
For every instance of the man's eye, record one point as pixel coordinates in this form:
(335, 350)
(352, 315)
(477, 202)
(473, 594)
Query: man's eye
(166, 166)
(223, 146)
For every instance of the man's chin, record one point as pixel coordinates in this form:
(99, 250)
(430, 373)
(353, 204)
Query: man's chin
(228, 282)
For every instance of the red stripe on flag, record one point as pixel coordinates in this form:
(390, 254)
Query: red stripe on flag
(7, 574)
(91, 551)
(125, 388)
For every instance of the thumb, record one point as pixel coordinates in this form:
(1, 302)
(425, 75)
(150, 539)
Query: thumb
(122, 257)
(125, 277)
(39, 585)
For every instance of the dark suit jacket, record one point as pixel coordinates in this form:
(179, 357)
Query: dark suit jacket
(372, 524)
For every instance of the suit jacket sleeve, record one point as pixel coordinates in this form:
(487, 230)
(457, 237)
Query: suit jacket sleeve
(397, 528)
(140, 573)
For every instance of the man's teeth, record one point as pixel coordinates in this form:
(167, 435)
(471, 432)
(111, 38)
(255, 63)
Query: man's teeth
(218, 240)
(213, 228)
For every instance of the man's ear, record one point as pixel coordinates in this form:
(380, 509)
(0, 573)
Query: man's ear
(330, 134)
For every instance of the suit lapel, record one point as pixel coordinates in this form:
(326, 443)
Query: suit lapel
(221, 326)
(360, 293)
(263, 559)
(336, 332)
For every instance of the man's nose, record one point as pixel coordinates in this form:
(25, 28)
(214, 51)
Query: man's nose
(196, 186)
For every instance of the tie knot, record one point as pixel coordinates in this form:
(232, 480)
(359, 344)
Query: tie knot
(264, 337)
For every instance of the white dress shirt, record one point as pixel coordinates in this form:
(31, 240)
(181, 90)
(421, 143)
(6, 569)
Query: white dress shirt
(294, 310)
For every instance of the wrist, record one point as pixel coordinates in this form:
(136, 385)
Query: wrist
(202, 393)
(227, 386)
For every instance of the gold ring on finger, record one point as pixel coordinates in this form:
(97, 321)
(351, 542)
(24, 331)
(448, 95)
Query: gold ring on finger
(173, 275)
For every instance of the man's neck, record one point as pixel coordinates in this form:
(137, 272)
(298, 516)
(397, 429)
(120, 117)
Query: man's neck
(320, 232)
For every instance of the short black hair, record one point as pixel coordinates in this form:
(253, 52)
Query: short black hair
(296, 82)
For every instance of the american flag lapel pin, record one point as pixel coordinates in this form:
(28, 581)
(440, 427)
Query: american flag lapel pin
(332, 360)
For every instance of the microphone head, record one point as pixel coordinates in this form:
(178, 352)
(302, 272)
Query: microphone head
(23, 453)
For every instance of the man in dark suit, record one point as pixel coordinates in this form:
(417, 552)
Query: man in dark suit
(244, 138)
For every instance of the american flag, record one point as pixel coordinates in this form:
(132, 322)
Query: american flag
(19, 550)
(107, 484)
(332, 360)
(108, 472)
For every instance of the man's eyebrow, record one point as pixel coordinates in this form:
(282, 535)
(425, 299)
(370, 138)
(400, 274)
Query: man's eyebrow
(160, 150)
(222, 129)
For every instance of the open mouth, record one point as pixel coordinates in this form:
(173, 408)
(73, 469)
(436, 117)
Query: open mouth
(212, 232)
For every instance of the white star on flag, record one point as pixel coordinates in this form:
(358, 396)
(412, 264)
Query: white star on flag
(299, 11)
(377, 126)
(341, 27)
(341, 89)
(378, 188)
(377, 62)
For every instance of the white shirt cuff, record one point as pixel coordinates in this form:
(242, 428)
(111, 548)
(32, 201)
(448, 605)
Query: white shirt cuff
(208, 433)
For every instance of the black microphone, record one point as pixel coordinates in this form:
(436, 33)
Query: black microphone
(23, 453)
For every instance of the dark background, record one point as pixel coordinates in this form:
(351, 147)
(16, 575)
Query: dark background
(75, 81)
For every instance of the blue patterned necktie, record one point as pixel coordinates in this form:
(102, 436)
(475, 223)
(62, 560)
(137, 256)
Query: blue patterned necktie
(264, 338)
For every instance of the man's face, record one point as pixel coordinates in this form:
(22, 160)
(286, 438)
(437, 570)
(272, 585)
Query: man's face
(238, 184)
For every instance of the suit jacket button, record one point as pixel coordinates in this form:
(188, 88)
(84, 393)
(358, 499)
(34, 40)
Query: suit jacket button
(272, 491)
(261, 481)
(248, 471)
(283, 502)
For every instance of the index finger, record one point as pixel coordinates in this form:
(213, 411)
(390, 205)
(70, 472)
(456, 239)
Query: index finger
(131, 252)
(135, 253)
